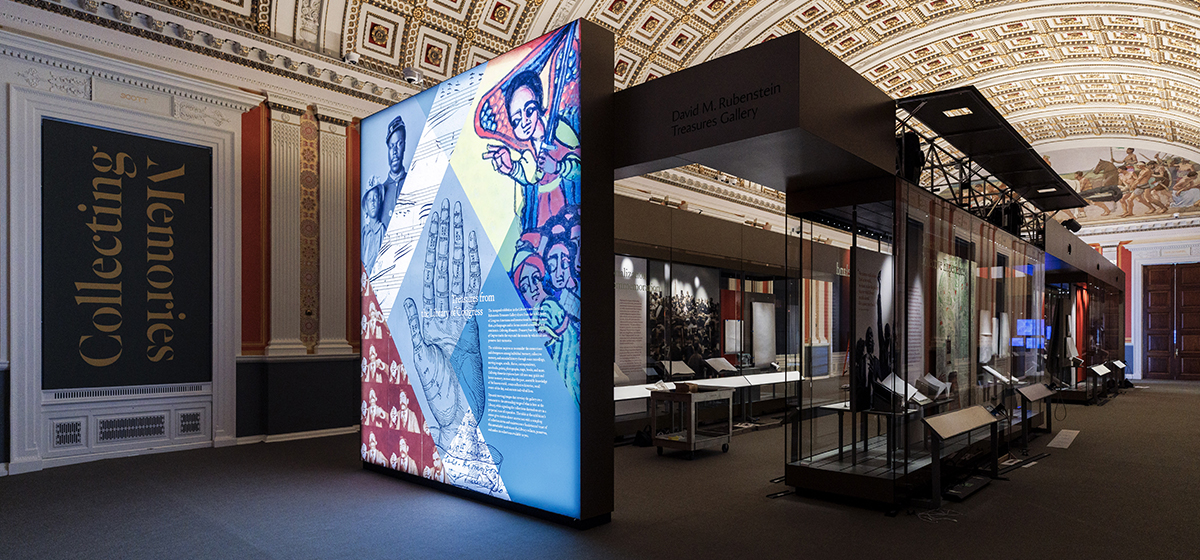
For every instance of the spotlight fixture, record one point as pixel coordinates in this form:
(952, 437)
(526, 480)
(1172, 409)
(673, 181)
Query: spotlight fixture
(1072, 225)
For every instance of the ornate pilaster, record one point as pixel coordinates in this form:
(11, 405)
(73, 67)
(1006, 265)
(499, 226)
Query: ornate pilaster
(285, 232)
(310, 230)
(333, 231)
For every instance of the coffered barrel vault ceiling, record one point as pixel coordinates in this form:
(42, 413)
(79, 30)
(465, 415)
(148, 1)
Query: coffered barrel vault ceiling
(1057, 70)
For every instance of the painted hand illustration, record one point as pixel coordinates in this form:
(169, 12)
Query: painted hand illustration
(445, 334)
(500, 157)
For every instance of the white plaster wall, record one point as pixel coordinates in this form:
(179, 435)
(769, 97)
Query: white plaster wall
(42, 79)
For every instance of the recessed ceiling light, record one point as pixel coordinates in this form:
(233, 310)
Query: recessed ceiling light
(1045, 191)
(961, 111)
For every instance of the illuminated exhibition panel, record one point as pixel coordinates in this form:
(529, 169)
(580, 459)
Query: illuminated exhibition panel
(472, 284)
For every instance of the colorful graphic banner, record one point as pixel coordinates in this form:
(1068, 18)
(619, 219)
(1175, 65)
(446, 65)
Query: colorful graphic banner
(126, 259)
(471, 279)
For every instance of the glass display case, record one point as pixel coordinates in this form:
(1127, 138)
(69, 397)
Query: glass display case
(1090, 321)
(704, 305)
(911, 307)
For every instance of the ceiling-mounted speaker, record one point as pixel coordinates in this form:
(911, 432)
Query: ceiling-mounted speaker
(911, 158)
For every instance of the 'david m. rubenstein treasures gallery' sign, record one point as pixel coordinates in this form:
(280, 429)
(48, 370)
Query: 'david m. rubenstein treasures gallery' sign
(126, 259)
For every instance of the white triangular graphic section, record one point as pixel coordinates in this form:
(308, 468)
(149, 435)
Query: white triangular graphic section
(451, 108)
(469, 462)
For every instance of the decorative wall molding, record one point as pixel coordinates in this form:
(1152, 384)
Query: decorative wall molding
(276, 438)
(34, 411)
(67, 59)
(188, 111)
(57, 83)
(204, 55)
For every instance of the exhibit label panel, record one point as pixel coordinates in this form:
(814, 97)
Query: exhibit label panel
(126, 259)
(629, 281)
(471, 279)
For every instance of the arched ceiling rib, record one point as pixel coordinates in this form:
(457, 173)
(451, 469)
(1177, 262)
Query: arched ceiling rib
(1057, 69)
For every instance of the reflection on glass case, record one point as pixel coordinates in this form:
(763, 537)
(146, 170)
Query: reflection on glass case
(715, 327)
(912, 308)
(1086, 338)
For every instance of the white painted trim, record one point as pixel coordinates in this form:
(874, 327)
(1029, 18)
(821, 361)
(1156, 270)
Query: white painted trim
(36, 22)
(3, 469)
(276, 438)
(334, 260)
(248, 440)
(285, 236)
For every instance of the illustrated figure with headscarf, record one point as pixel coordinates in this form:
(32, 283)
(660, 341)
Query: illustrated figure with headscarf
(550, 318)
(379, 199)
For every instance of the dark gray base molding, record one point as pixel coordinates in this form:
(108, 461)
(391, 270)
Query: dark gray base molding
(4, 413)
(288, 395)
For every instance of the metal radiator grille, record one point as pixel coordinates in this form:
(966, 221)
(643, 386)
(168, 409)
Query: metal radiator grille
(189, 423)
(68, 434)
(134, 427)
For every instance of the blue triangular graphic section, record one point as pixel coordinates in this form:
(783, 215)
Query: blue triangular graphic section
(531, 416)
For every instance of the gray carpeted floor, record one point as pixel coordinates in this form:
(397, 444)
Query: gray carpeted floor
(1128, 487)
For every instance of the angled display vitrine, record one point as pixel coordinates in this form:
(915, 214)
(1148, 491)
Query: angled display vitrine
(1085, 318)
(924, 309)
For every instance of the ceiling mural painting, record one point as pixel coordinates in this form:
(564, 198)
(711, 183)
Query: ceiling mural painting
(1130, 182)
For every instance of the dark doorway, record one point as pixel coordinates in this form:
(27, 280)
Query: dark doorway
(1172, 321)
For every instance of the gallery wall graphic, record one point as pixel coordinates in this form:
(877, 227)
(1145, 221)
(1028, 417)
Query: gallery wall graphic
(875, 336)
(126, 259)
(630, 284)
(471, 288)
(954, 284)
(1128, 183)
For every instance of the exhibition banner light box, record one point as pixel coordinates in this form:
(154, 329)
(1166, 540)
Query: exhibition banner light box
(473, 249)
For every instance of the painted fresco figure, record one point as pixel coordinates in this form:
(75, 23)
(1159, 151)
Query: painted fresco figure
(545, 163)
(1160, 182)
(1186, 191)
(1104, 193)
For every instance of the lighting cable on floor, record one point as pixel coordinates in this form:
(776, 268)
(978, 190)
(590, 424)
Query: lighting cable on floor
(939, 515)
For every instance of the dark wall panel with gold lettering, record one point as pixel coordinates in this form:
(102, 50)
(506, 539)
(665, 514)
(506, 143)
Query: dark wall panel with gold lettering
(126, 259)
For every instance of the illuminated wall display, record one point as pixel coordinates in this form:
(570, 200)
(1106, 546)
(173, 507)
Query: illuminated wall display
(474, 195)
